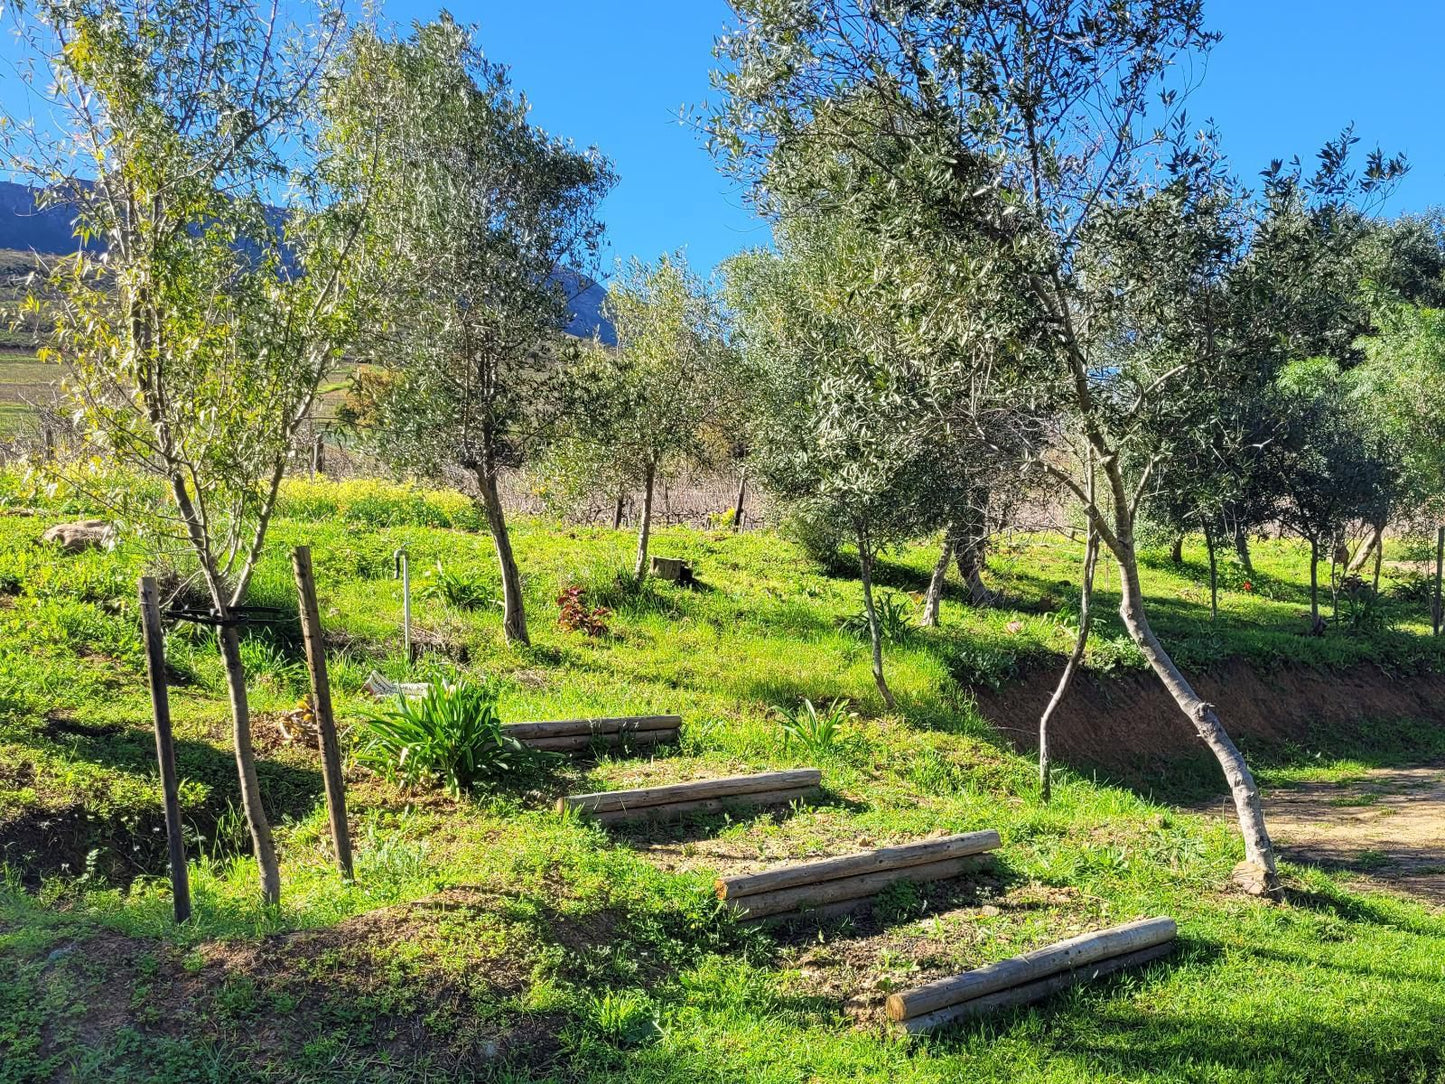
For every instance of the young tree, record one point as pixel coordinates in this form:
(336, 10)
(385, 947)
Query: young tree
(843, 424)
(487, 223)
(650, 402)
(197, 322)
(1058, 95)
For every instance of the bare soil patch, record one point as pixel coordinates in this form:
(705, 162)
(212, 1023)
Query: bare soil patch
(1387, 824)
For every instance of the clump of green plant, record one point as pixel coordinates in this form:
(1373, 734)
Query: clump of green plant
(576, 615)
(895, 620)
(625, 1018)
(450, 736)
(816, 733)
(462, 588)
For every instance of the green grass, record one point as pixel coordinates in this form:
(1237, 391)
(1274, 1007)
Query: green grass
(491, 938)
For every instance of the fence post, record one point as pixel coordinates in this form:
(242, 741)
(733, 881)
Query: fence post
(150, 609)
(403, 573)
(1438, 616)
(331, 773)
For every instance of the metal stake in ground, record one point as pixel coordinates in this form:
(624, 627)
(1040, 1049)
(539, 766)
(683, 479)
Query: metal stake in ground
(150, 610)
(321, 708)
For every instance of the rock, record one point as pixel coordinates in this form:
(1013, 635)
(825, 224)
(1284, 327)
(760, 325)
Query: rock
(82, 535)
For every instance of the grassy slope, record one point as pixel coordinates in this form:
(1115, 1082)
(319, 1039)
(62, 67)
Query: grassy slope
(544, 948)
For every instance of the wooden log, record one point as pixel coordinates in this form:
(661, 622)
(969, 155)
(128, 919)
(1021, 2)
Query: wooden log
(332, 777)
(1076, 952)
(583, 742)
(906, 854)
(155, 642)
(1032, 991)
(825, 912)
(569, 728)
(729, 786)
(847, 888)
(704, 805)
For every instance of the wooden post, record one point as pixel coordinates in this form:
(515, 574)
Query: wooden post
(1439, 617)
(331, 773)
(318, 456)
(47, 436)
(150, 609)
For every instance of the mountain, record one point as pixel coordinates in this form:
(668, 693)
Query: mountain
(50, 230)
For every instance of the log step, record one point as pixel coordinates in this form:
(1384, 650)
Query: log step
(735, 786)
(571, 728)
(902, 856)
(1031, 976)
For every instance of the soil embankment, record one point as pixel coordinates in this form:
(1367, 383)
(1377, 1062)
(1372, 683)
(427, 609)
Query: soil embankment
(1128, 727)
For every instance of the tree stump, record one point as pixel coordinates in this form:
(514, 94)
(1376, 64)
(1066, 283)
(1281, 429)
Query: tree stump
(674, 570)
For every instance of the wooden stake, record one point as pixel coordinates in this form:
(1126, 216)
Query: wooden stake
(331, 772)
(150, 609)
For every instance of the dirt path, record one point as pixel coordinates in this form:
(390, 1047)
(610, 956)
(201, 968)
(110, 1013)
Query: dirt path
(1387, 824)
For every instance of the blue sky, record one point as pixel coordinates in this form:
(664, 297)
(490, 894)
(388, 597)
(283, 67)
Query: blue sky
(1288, 75)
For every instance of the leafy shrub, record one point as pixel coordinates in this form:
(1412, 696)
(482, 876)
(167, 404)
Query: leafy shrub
(576, 616)
(452, 736)
(817, 733)
(1410, 586)
(820, 535)
(462, 588)
(625, 1018)
(895, 619)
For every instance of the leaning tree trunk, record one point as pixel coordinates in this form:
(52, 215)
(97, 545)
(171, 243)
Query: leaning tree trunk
(514, 617)
(875, 632)
(617, 511)
(261, 841)
(1373, 542)
(933, 600)
(644, 524)
(742, 496)
(1076, 657)
(1261, 873)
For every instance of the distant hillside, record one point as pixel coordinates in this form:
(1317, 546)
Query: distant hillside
(25, 227)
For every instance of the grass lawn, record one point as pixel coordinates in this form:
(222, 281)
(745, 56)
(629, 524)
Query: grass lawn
(491, 938)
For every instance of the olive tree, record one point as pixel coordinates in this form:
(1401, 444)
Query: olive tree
(1062, 98)
(486, 223)
(646, 406)
(197, 321)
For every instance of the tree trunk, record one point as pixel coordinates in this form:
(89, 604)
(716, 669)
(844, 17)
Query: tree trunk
(970, 547)
(1373, 542)
(1076, 657)
(644, 524)
(1213, 574)
(617, 510)
(1176, 551)
(514, 617)
(1241, 547)
(261, 841)
(1314, 584)
(738, 504)
(875, 633)
(1379, 560)
(1258, 850)
(934, 598)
